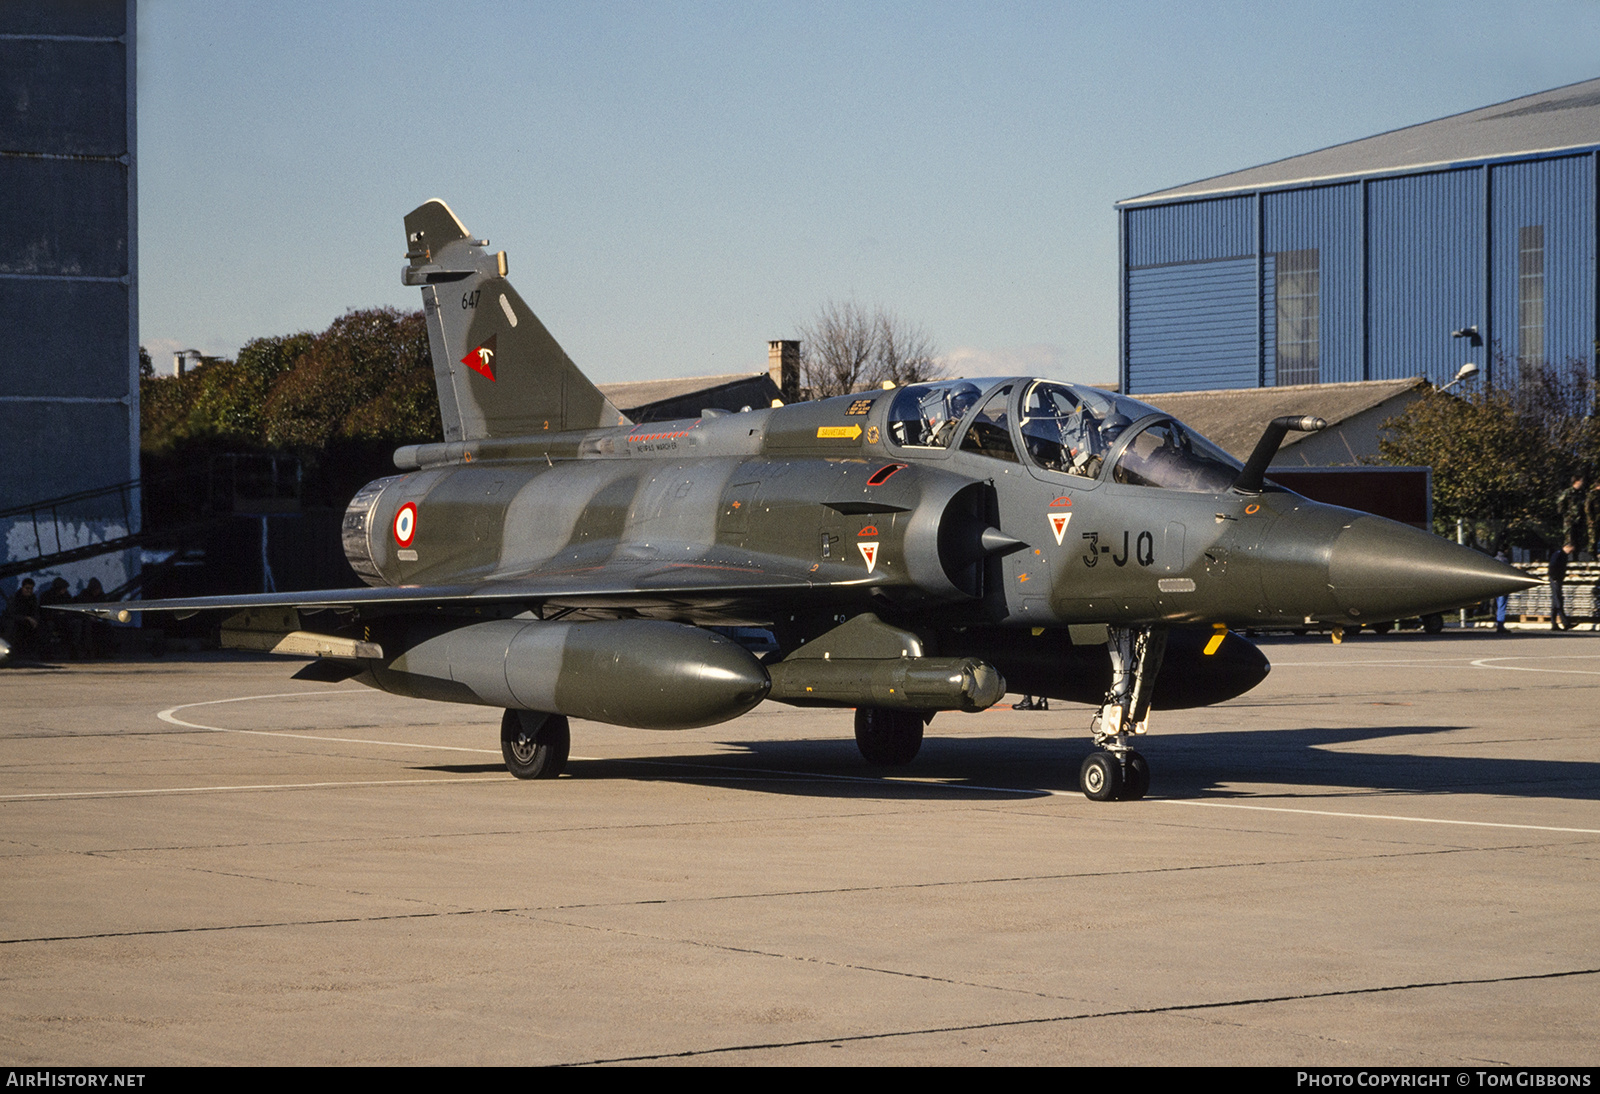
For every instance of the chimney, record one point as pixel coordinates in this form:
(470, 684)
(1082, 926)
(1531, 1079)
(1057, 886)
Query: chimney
(783, 365)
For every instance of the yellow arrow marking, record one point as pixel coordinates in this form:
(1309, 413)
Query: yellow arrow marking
(848, 432)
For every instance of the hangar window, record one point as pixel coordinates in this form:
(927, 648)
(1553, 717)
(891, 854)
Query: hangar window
(1299, 295)
(1530, 297)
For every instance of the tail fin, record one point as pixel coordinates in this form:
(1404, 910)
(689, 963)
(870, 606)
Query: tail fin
(499, 372)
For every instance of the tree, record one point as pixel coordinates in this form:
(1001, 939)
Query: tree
(340, 400)
(368, 377)
(1500, 457)
(845, 348)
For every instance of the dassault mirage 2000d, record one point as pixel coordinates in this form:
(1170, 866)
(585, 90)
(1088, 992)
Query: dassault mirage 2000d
(911, 551)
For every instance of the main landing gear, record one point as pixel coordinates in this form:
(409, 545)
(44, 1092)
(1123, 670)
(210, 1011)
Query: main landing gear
(535, 744)
(1115, 771)
(889, 738)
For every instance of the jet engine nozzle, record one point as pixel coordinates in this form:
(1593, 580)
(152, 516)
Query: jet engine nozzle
(1379, 569)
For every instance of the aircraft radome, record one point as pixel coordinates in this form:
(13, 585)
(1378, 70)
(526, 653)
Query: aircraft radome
(911, 551)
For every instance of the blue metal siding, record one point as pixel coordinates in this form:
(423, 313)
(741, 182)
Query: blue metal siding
(1426, 261)
(1559, 195)
(1192, 326)
(1325, 219)
(1195, 231)
(1269, 319)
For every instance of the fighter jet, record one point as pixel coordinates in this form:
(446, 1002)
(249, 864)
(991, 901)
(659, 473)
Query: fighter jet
(910, 551)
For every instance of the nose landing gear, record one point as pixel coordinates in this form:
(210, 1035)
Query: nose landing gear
(1115, 771)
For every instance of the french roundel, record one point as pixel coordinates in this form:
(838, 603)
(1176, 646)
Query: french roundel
(405, 524)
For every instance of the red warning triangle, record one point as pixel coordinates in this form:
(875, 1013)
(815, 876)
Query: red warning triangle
(481, 360)
(869, 551)
(1058, 524)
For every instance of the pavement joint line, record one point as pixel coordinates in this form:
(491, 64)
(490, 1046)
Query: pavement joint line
(1126, 1012)
(778, 955)
(549, 913)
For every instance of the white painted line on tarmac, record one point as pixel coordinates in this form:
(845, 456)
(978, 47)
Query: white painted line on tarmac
(758, 774)
(54, 795)
(1374, 816)
(170, 716)
(1485, 663)
(1441, 662)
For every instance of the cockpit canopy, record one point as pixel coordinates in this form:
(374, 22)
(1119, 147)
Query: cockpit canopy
(1068, 429)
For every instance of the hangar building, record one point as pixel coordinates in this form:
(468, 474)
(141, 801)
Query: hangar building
(69, 361)
(1360, 261)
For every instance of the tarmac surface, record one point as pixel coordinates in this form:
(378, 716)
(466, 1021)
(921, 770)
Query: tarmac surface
(1388, 853)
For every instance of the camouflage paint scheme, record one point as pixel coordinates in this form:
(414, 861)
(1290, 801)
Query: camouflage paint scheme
(556, 560)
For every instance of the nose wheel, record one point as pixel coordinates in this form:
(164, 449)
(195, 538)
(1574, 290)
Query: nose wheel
(1109, 776)
(1114, 772)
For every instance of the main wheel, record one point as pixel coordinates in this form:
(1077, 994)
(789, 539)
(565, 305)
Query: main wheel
(535, 744)
(1100, 777)
(1135, 777)
(890, 738)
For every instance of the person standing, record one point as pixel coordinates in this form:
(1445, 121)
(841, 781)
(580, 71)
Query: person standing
(1501, 554)
(1558, 578)
(22, 621)
(1572, 507)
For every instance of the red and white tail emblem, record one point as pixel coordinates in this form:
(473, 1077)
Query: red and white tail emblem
(869, 551)
(1058, 525)
(481, 360)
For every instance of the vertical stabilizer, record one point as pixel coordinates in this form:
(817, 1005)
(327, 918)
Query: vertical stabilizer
(498, 371)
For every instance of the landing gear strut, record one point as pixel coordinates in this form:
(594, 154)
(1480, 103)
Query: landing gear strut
(1115, 771)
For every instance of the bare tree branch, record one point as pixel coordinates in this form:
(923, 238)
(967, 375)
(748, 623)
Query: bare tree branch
(845, 349)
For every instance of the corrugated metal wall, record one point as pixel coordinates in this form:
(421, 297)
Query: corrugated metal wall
(1557, 194)
(1191, 296)
(1425, 272)
(1192, 326)
(1403, 261)
(1196, 231)
(1325, 219)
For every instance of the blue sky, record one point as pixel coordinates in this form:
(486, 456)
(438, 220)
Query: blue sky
(676, 183)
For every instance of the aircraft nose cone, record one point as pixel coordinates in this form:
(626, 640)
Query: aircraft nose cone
(1379, 569)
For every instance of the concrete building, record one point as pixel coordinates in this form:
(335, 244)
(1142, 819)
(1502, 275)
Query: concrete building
(1409, 253)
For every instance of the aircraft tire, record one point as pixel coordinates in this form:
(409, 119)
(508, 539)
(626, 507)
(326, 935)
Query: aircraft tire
(1135, 777)
(888, 738)
(1433, 624)
(534, 744)
(1100, 777)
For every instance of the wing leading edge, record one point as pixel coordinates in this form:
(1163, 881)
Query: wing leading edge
(645, 585)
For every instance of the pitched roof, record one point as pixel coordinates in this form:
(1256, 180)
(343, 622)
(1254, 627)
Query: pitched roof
(638, 393)
(1563, 118)
(1234, 418)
